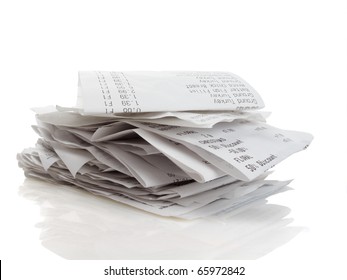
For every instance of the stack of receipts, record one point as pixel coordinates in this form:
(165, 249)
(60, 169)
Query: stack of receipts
(181, 144)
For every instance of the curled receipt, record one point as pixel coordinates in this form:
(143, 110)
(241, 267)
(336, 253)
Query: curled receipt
(102, 92)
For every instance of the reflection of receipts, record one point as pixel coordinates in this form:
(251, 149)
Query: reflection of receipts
(134, 92)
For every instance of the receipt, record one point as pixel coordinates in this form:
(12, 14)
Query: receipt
(243, 149)
(105, 92)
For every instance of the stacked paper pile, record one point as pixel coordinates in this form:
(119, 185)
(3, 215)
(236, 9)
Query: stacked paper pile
(183, 144)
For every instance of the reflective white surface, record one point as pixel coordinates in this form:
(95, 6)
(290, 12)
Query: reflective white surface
(79, 225)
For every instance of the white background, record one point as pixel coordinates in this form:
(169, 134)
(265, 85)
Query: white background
(294, 53)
